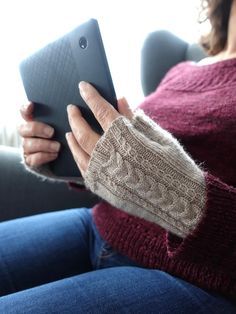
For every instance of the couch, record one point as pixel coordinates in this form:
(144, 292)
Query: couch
(24, 194)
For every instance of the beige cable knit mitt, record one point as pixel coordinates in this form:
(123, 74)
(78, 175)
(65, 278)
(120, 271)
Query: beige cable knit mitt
(142, 169)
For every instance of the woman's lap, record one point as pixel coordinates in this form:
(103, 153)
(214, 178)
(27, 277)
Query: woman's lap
(115, 290)
(48, 257)
(43, 248)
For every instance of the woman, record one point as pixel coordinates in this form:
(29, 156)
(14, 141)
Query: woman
(165, 239)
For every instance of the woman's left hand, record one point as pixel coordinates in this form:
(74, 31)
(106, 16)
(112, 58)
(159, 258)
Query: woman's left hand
(83, 139)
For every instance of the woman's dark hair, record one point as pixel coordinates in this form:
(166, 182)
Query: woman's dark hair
(217, 12)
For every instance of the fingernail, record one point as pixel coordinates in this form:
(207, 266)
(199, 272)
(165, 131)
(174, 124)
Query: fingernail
(25, 107)
(48, 131)
(67, 135)
(70, 107)
(55, 146)
(83, 88)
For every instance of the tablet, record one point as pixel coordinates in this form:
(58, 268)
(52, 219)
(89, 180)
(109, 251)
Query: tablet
(50, 77)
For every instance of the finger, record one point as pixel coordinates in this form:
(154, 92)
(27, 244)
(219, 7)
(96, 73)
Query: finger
(27, 111)
(124, 108)
(35, 129)
(82, 131)
(35, 145)
(80, 156)
(103, 111)
(38, 159)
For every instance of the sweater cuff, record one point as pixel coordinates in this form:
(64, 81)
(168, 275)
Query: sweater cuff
(214, 238)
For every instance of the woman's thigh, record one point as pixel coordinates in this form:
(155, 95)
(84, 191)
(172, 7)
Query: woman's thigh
(44, 248)
(116, 290)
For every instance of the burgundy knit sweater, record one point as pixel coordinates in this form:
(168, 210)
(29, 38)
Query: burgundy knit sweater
(197, 104)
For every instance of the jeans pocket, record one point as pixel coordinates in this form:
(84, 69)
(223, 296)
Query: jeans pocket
(107, 251)
(109, 257)
(103, 255)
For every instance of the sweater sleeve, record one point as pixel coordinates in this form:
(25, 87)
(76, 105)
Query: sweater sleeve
(214, 237)
(215, 234)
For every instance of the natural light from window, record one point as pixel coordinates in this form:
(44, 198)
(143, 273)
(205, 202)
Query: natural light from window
(26, 26)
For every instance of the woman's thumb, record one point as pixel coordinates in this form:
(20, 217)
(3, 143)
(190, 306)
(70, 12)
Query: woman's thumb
(124, 108)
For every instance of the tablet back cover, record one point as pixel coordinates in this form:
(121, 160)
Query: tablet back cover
(51, 76)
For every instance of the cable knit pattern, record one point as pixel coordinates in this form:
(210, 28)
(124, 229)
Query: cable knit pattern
(150, 177)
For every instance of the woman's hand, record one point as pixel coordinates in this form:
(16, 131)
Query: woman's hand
(137, 166)
(38, 148)
(83, 139)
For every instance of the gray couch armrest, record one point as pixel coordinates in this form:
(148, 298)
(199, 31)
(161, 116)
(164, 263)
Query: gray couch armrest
(160, 52)
(23, 194)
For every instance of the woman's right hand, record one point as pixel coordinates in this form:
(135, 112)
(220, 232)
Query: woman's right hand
(38, 146)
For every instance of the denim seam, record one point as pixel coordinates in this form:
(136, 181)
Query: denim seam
(100, 256)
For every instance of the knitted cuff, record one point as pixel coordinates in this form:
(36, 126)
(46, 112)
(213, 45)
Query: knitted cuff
(155, 133)
(149, 128)
(155, 180)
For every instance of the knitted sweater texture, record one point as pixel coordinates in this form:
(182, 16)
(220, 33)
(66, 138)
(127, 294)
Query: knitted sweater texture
(197, 105)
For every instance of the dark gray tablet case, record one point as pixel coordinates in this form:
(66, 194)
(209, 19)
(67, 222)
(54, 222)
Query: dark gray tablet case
(51, 76)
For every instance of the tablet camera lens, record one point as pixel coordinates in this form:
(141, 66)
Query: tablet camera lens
(83, 43)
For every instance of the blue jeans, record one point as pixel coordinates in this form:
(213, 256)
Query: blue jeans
(58, 263)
